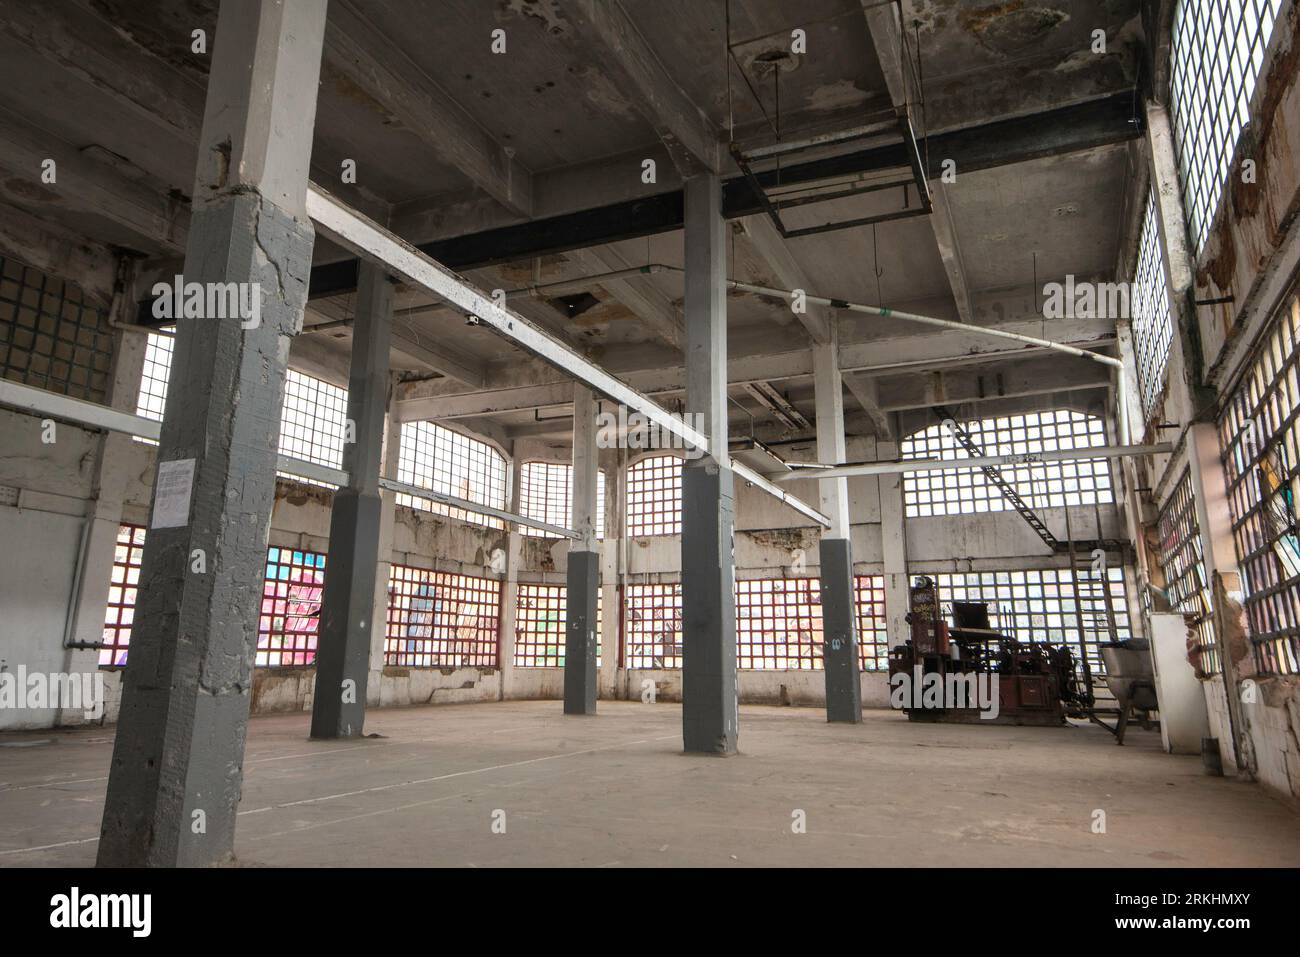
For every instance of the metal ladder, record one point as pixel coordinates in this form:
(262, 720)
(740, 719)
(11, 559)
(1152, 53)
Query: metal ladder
(1094, 608)
(991, 473)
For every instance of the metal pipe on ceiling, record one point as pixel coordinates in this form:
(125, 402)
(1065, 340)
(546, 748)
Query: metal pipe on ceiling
(849, 470)
(863, 309)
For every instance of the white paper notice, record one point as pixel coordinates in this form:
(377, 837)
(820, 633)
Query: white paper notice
(171, 500)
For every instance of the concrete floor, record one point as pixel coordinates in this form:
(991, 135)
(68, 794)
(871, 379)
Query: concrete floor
(615, 790)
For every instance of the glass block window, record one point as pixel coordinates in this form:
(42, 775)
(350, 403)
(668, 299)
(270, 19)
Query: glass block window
(652, 626)
(1153, 329)
(1186, 586)
(446, 461)
(654, 496)
(779, 624)
(288, 622)
(546, 494)
(119, 612)
(50, 337)
(1038, 605)
(1218, 50)
(441, 620)
(313, 421)
(963, 491)
(290, 618)
(541, 623)
(873, 627)
(152, 400)
(1260, 437)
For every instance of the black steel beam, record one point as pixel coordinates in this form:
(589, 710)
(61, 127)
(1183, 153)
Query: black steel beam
(1112, 119)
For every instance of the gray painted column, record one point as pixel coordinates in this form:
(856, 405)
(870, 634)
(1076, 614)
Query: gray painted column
(584, 562)
(174, 784)
(839, 623)
(710, 716)
(510, 580)
(893, 548)
(610, 664)
(347, 616)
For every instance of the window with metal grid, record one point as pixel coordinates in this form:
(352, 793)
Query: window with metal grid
(1260, 438)
(119, 612)
(873, 626)
(541, 622)
(1218, 50)
(290, 617)
(1153, 329)
(442, 620)
(779, 624)
(152, 400)
(443, 460)
(50, 337)
(654, 496)
(290, 610)
(1038, 605)
(1186, 586)
(962, 491)
(313, 422)
(652, 626)
(546, 494)
(313, 416)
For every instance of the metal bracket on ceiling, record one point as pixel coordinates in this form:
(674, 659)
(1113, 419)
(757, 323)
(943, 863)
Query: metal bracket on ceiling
(766, 183)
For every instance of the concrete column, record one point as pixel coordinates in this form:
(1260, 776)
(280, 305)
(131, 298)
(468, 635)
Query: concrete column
(510, 582)
(611, 593)
(384, 562)
(347, 616)
(710, 713)
(893, 547)
(177, 769)
(1219, 555)
(839, 623)
(584, 562)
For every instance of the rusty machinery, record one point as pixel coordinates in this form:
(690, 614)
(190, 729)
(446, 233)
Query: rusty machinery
(1036, 683)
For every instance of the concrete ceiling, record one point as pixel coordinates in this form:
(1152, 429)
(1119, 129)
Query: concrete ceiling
(450, 139)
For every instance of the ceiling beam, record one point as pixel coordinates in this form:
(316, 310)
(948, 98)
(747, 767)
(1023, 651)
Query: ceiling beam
(641, 296)
(775, 251)
(513, 390)
(864, 388)
(1070, 129)
(402, 91)
(158, 222)
(886, 32)
(464, 369)
(623, 54)
(1037, 376)
(91, 48)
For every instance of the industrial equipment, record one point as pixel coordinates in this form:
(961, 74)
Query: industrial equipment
(1130, 675)
(952, 674)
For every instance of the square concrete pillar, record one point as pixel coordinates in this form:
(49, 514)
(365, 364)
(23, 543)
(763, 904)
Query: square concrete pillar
(177, 772)
(583, 590)
(347, 617)
(710, 712)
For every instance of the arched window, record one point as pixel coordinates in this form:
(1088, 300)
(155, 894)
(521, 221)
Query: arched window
(963, 491)
(654, 496)
(436, 458)
(546, 494)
